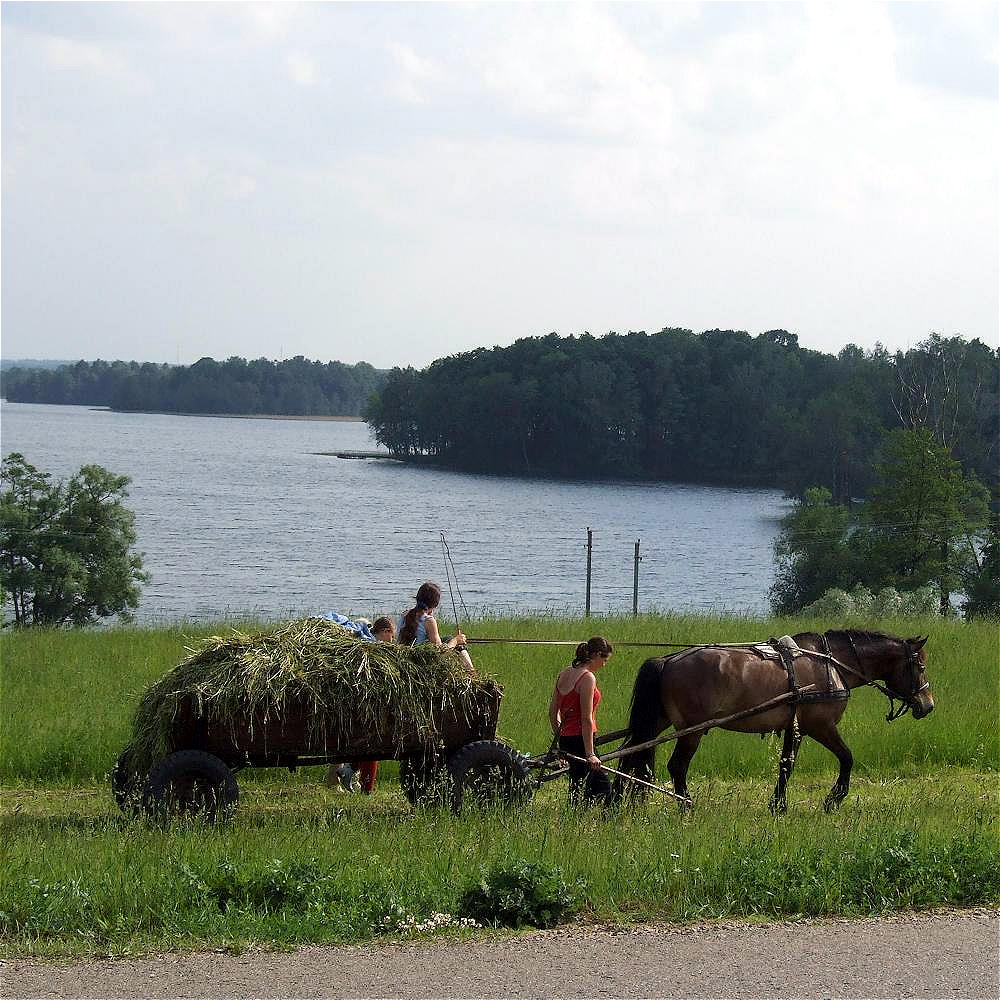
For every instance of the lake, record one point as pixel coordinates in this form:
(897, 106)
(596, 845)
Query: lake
(242, 516)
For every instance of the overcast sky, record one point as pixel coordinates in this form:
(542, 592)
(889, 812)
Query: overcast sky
(397, 182)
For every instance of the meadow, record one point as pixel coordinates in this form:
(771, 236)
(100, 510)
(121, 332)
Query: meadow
(301, 862)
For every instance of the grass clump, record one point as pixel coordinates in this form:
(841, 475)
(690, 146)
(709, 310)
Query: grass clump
(316, 672)
(520, 893)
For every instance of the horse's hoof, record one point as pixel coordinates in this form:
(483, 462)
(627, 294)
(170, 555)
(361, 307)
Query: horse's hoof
(832, 802)
(778, 807)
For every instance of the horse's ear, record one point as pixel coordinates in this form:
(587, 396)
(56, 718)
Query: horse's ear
(917, 643)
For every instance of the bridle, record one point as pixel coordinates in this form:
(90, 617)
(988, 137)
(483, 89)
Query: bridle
(906, 701)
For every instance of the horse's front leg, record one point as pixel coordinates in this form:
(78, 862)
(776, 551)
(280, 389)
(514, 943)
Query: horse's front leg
(789, 751)
(831, 739)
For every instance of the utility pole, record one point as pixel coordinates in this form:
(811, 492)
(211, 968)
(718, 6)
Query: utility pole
(635, 581)
(590, 552)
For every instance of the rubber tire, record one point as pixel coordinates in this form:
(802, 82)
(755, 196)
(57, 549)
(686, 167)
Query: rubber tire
(425, 781)
(488, 774)
(125, 783)
(190, 783)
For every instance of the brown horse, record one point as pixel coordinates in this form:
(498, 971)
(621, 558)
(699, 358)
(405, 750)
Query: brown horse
(713, 682)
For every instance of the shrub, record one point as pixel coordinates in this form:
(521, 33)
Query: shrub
(521, 893)
(886, 603)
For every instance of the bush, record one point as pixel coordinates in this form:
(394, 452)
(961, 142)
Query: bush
(862, 603)
(521, 893)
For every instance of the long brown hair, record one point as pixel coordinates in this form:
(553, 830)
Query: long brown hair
(428, 597)
(596, 645)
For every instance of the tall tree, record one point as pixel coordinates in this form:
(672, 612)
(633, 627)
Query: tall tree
(924, 515)
(813, 553)
(923, 525)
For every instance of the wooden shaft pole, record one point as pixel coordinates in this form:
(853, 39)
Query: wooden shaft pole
(632, 777)
(711, 724)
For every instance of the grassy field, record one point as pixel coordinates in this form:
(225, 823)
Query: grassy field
(301, 862)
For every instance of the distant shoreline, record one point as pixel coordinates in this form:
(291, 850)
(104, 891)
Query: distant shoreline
(236, 416)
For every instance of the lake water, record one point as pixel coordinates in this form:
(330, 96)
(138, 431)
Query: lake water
(242, 516)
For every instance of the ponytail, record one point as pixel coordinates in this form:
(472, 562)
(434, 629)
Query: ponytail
(428, 597)
(595, 646)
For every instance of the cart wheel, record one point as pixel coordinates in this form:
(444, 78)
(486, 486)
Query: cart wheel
(425, 780)
(191, 783)
(488, 774)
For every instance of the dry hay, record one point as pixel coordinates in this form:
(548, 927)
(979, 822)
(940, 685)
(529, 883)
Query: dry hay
(313, 668)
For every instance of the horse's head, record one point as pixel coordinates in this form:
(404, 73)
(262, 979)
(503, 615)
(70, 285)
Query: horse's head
(907, 678)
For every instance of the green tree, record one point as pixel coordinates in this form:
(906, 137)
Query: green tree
(923, 526)
(982, 586)
(924, 515)
(814, 552)
(66, 548)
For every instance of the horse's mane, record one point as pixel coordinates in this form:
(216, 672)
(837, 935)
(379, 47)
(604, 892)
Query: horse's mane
(857, 634)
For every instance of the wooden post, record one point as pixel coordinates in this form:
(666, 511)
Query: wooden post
(635, 582)
(590, 552)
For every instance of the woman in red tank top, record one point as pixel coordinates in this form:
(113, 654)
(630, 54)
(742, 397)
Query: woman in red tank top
(572, 712)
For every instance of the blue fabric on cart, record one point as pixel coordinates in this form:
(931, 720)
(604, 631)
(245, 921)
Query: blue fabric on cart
(360, 629)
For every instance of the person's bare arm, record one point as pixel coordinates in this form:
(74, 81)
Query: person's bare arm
(585, 689)
(554, 710)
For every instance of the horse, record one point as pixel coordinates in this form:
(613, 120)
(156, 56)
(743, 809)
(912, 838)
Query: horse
(704, 683)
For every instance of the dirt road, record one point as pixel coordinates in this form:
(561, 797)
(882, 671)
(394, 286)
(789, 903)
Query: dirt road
(937, 955)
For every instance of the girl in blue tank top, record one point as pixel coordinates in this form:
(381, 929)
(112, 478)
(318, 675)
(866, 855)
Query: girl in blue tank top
(418, 625)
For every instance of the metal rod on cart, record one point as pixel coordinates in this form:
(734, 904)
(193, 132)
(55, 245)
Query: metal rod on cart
(574, 643)
(631, 777)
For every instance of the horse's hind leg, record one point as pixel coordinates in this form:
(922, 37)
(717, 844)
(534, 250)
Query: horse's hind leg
(679, 761)
(831, 739)
(789, 751)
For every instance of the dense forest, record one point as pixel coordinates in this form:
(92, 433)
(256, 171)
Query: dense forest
(721, 406)
(296, 387)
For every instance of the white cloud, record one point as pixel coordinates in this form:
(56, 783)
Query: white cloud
(302, 69)
(441, 176)
(89, 58)
(416, 75)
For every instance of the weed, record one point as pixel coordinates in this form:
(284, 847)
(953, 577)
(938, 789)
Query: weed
(519, 893)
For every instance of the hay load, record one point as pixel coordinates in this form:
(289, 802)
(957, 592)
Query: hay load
(311, 688)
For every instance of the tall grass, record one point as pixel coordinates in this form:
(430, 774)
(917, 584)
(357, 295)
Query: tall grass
(307, 864)
(68, 697)
(301, 862)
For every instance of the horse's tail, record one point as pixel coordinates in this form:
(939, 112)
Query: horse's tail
(645, 713)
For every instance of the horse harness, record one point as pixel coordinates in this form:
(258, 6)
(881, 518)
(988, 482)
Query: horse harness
(905, 701)
(785, 651)
(787, 654)
(788, 659)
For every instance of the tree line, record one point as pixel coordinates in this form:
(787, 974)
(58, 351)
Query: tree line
(721, 406)
(295, 387)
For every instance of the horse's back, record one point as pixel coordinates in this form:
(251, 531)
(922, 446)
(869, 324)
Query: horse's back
(713, 682)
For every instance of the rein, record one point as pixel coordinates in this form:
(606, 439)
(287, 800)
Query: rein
(905, 701)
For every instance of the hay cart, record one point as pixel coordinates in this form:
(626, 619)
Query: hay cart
(457, 759)
(460, 761)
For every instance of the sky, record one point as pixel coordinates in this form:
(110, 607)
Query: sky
(397, 182)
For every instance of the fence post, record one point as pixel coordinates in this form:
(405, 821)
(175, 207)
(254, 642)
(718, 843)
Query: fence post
(635, 582)
(590, 551)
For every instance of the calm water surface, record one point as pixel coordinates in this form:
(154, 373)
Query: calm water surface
(242, 516)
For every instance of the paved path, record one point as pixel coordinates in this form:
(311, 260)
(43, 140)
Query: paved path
(953, 954)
